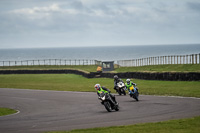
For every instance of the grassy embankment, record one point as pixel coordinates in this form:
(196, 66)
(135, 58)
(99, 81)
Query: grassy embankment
(92, 68)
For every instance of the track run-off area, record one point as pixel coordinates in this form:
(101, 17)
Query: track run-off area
(41, 110)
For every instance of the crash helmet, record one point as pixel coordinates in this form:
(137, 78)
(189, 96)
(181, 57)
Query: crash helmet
(128, 81)
(97, 87)
(115, 77)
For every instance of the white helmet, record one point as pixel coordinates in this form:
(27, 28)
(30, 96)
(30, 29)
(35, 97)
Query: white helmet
(128, 81)
(97, 87)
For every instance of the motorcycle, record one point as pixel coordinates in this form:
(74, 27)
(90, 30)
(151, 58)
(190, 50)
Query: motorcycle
(106, 100)
(121, 88)
(134, 93)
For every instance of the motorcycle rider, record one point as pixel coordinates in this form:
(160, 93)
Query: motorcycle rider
(128, 84)
(105, 90)
(116, 80)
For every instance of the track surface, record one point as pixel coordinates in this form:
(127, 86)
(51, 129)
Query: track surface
(53, 110)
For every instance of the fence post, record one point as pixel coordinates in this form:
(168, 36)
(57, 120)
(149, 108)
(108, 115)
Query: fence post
(177, 59)
(168, 60)
(195, 58)
(163, 60)
(199, 58)
(154, 60)
(192, 59)
(160, 60)
(146, 61)
(186, 59)
(140, 62)
(134, 63)
(171, 59)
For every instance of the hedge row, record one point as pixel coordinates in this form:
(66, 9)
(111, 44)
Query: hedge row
(170, 76)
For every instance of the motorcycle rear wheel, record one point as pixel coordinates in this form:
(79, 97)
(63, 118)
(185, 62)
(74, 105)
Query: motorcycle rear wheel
(124, 92)
(119, 92)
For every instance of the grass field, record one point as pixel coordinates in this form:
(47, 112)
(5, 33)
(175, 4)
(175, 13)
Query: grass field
(92, 68)
(162, 68)
(191, 125)
(87, 68)
(71, 82)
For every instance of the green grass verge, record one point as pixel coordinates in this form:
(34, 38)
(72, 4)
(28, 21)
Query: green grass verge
(191, 125)
(92, 68)
(71, 82)
(7, 111)
(162, 68)
(87, 68)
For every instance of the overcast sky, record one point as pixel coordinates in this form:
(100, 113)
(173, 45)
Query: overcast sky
(71, 23)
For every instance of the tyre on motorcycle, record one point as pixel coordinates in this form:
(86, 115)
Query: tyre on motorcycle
(108, 106)
(117, 108)
(124, 92)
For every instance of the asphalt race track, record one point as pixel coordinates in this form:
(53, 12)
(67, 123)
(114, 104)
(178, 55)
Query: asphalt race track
(53, 110)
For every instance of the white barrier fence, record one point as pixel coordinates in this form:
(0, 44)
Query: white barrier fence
(161, 60)
(56, 62)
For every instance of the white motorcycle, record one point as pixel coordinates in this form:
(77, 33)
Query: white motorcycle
(121, 88)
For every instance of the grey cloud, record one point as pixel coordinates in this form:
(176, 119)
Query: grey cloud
(194, 6)
(90, 21)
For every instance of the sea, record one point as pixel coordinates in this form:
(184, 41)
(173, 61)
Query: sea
(103, 53)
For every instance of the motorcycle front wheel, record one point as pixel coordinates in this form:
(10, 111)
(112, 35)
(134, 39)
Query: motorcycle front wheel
(136, 97)
(117, 108)
(124, 92)
(108, 106)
